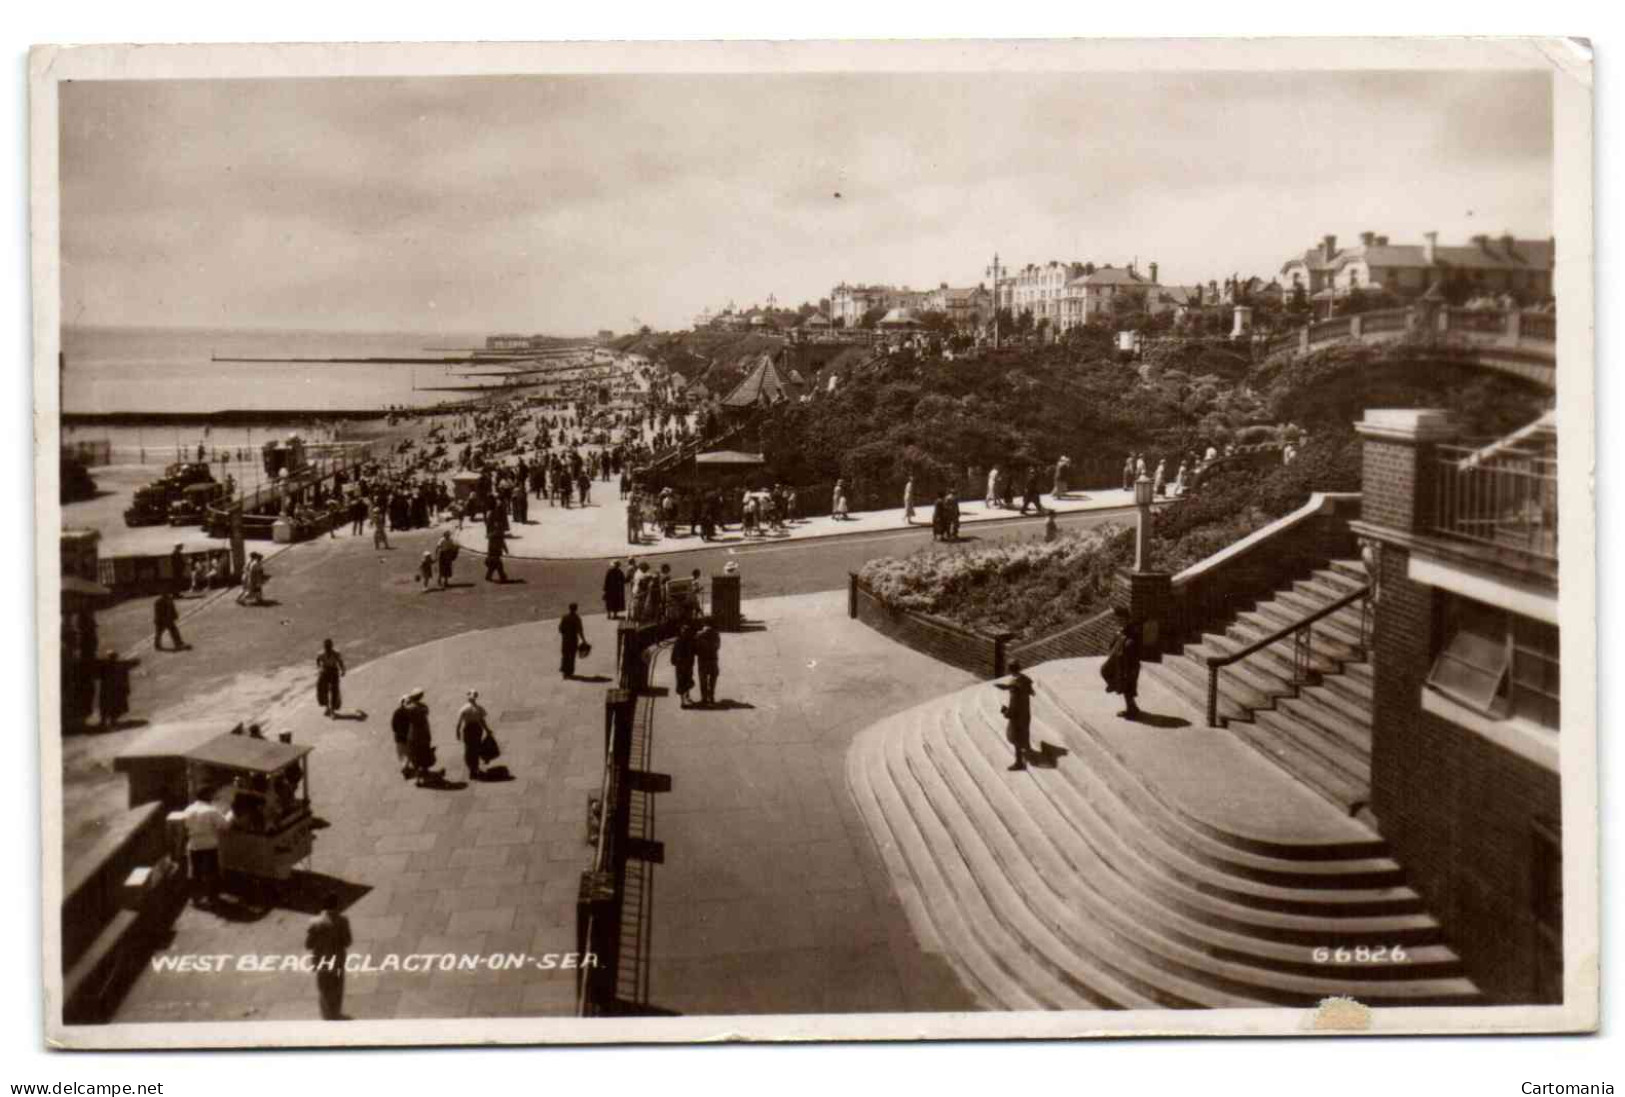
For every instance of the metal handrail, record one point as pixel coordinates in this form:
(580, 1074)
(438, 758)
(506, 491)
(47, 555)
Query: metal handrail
(1216, 663)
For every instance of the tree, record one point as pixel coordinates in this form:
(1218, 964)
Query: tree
(1127, 303)
(872, 317)
(935, 320)
(1298, 304)
(645, 330)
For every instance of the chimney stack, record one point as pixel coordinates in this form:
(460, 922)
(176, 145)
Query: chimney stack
(1430, 250)
(1153, 272)
(1507, 243)
(1368, 238)
(1328, 248)
(1382, 241)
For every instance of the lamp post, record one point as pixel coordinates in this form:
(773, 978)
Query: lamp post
(1142, 524)
(993, 272)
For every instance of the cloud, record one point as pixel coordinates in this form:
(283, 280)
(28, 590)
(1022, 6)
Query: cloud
(572, 203)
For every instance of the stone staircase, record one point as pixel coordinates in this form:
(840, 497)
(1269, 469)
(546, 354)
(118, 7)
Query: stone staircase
(1319, 733)
(673, 458)
(1083, 886)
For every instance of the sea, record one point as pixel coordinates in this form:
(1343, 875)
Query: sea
(167, 370)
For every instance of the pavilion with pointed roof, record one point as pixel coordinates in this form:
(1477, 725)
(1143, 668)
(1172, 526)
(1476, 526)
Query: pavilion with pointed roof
(765, 385)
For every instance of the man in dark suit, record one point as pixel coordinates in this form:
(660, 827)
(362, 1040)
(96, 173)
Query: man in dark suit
(165, 617)
(571, 637)
(708, 651)
(1018, 713)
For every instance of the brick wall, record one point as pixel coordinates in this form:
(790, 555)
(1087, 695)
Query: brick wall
(1089, 637)
(933, 636)
(1457, 810)
(1215, 595)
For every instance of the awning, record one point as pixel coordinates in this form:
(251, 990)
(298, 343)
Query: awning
(244, 752)
(725, 457)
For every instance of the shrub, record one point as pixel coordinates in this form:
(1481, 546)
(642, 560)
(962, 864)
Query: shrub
(1025, 587)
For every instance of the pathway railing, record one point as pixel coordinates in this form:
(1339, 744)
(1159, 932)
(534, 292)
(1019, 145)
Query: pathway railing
(1506, 499)
(1514, 329)
(614, 900)
(1302, 633)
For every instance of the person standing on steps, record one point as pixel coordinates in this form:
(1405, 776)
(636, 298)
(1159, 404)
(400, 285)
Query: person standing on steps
(1122, 667)
(1018, 713)
(572, 638)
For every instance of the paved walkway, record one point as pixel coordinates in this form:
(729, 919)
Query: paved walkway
(598, 530)
(770, 898)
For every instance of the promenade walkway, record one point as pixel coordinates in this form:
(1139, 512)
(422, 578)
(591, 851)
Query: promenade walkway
(598, 530)
(770, 899)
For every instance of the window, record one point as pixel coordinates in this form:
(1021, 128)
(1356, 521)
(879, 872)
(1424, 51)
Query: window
(1472, 664)
(1498, 663)
(1535, 669)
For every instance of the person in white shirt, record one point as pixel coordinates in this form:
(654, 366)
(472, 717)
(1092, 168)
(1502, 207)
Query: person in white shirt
(205, 822)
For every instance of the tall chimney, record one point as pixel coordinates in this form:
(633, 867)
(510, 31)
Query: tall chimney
(1153, 272)
(1368, 238)
(1430, 250)
(1328, 248)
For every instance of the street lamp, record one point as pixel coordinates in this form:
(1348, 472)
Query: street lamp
(993, 272)
(1142, 523)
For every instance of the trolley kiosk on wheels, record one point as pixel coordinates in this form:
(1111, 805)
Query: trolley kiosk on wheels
(272, 828)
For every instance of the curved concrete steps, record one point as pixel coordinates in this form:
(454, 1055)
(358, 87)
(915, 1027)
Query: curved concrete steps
(1085, 886)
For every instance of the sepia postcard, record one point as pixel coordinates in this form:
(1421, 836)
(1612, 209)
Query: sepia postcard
(964, 540)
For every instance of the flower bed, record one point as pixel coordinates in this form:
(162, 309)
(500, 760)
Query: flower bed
(1023, 587)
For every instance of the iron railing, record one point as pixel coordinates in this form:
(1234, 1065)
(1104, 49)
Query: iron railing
(1502, 496)
(614, 903)
(1302, 633)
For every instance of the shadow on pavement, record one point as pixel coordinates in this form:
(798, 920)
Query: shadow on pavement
(1047, 756)
(1159, 721)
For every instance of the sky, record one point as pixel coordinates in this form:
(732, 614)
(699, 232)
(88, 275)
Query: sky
(568, 204)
